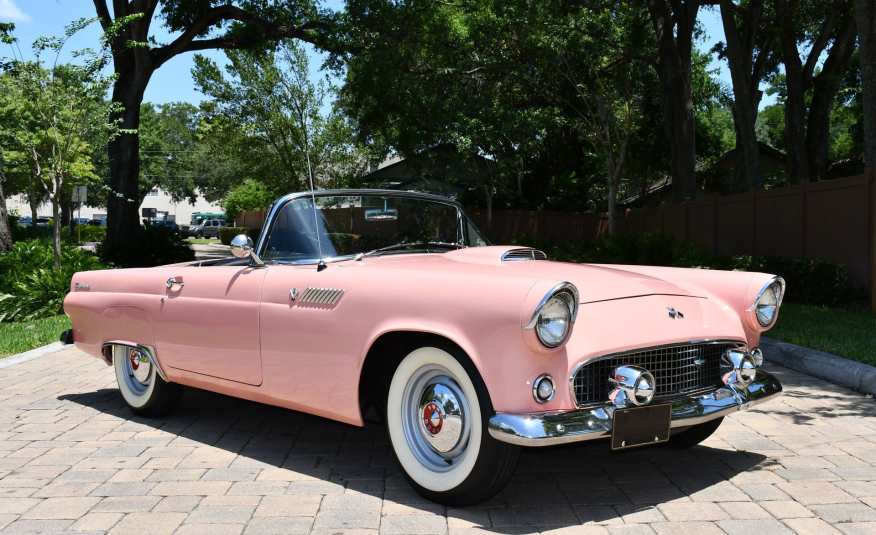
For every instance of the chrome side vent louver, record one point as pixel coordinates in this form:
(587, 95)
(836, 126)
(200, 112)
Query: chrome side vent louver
(321, 296)
(524, 254)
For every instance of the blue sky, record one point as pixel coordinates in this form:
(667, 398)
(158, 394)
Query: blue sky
(173, 81)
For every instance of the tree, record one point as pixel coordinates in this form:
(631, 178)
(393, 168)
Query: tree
(202, 25)
(748, 50)
(816, 24)
(278, 110)
(674, 23)
(66, 104)
(865, 14)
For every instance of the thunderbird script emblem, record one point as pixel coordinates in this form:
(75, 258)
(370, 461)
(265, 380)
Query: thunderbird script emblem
(674, 313)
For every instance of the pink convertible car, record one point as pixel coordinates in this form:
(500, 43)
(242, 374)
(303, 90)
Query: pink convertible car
(393, 302)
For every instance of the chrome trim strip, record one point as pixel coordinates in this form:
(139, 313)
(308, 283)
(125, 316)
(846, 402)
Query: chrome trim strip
(563, 427)
(753, 309)
(149, 350)
(639, 350)
(281, 202)
(563, 286)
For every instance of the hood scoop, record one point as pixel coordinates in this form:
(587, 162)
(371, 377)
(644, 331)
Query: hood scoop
(525, 253)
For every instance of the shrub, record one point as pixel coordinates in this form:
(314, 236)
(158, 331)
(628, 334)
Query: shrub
(810, 282)
(151, 246)
(228, 233)
(88, 233)
(20, 233)
(31, 287)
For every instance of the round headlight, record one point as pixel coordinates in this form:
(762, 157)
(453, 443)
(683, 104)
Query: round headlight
(767, 304)
(554, 321)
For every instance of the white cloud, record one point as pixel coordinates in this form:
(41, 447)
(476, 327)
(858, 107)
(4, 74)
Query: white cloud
(11, 12)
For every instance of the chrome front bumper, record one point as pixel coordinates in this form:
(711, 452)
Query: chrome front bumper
(563, 427)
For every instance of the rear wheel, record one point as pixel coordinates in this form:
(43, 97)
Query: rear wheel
(694, 435)
(437, 412)
(145, 392)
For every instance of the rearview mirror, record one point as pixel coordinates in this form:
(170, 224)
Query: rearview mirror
(385, 214)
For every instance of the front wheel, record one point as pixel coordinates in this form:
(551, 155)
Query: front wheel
(199, 234)
(145, 392)
(437, 413)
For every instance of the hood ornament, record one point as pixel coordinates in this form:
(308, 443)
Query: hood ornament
(674, 313)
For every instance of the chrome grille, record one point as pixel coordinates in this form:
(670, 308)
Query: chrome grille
(322, 296)
(678, 369)
(524, 254)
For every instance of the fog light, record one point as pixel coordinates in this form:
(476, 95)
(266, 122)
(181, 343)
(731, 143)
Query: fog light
(543, 388)
(634, 385)
(741, 367)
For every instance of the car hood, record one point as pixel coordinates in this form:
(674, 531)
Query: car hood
(595, 283)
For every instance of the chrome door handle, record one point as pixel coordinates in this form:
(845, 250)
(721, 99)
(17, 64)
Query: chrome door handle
(171, 282)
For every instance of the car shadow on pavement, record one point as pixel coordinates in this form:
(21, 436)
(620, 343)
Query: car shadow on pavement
(263, 450)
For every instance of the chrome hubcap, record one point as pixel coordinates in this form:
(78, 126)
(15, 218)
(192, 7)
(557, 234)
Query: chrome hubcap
(138, 370)
(435, 418)
(443, 420)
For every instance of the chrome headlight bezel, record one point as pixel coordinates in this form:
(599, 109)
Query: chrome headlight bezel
(568, 294)
(777, 284)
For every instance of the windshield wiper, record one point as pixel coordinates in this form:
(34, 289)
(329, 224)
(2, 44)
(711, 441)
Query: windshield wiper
(398, 246)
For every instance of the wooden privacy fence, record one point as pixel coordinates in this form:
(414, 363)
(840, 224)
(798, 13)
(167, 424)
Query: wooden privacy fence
(829, 220)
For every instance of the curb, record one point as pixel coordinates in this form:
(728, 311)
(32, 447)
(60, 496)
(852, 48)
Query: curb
(12, 360)
(840, 371)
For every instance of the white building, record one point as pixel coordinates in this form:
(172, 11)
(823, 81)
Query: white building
(161, 201)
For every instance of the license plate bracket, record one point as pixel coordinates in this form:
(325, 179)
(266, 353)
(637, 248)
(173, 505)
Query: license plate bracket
(640, 426)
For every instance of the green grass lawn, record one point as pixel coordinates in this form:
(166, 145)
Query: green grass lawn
(833, 330)
(202, 240)
(17, 338)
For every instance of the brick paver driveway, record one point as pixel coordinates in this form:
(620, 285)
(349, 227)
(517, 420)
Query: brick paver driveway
(72, 457)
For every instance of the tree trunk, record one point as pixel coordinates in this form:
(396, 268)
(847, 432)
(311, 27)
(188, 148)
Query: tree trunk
(56, 221)
(824, 91)
(673, 70)
(5, 234)
(795, 100)
(124, 153)
(745, 94)
(32, 201)
(865, 13)
(612, 206)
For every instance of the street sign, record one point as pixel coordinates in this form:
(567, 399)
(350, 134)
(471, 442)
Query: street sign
(80, 194)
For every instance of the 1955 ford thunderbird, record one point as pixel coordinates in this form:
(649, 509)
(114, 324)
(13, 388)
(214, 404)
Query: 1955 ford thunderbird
(361, 300)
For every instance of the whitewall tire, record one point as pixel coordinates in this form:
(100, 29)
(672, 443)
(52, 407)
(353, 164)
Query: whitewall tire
(437, 411)
(142, 388)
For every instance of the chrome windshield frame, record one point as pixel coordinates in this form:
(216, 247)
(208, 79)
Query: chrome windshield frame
(280, 203)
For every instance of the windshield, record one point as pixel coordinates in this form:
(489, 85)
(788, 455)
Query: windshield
(353, 225)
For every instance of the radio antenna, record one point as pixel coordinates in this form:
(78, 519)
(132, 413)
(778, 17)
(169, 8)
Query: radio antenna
(321, 265)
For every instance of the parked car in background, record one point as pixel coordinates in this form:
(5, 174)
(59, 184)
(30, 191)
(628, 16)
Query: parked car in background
(208, 228)
(81, 220)
(357, 301)
(97, 222)
(165, 223)
(25, 221)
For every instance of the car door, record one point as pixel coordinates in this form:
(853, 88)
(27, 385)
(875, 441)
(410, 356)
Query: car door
(208, 322)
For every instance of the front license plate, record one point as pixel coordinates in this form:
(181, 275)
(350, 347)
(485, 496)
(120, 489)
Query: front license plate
(640, 426)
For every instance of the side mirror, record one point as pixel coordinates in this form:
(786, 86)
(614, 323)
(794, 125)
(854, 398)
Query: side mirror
(242, 247)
